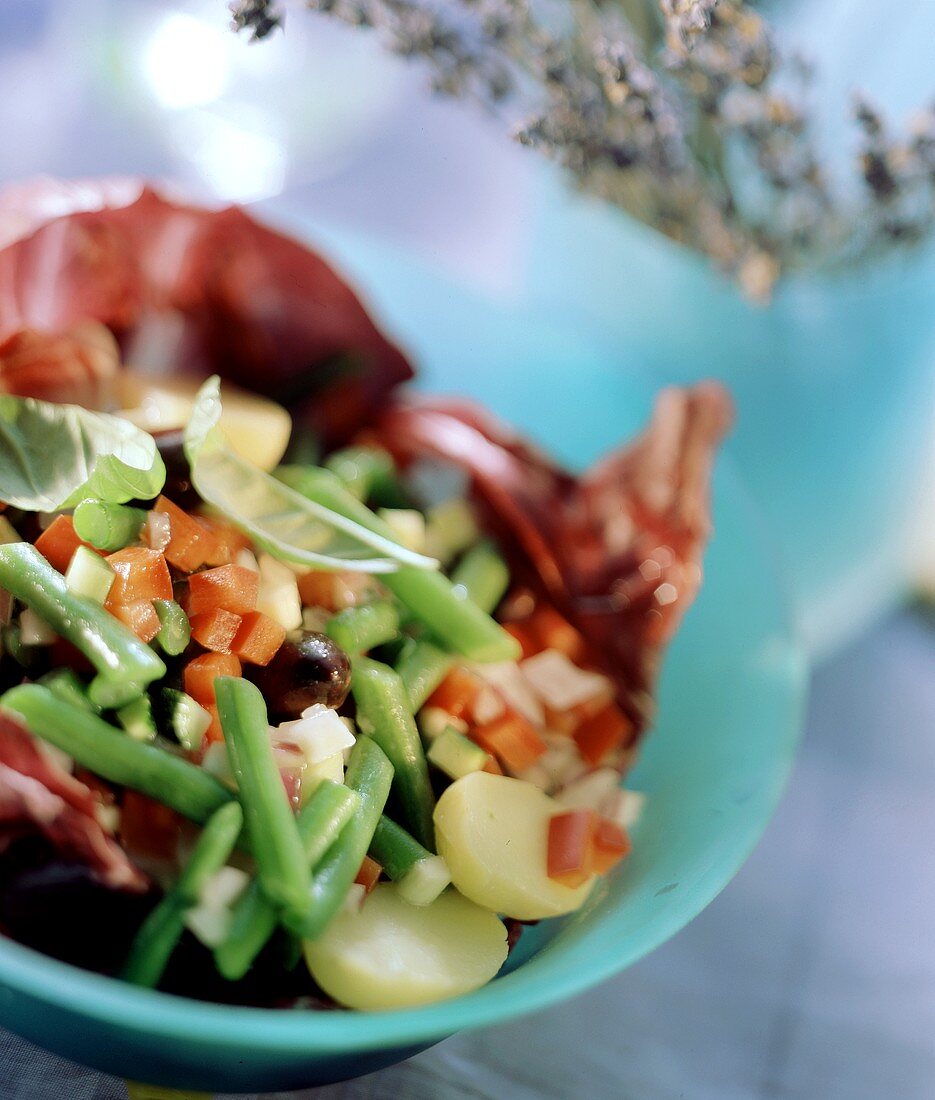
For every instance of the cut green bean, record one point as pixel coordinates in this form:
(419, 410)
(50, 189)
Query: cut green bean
(282, 868)
(395, 850)
(370, 774)
(366, 472)
(100, 748)
(254, 917)
(484, 576)
(65, 683)
(358, 629)
(175, 631)
(422, 666)
(160, 932)
(453, 618)
(108, 526)
(383, 712)
(124, 664)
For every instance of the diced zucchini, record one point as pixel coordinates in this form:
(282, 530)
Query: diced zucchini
(186, 719)
(137, 719)
(33, 630)
(450, 528)
(455, 754)
(90, 575)
(407, 525)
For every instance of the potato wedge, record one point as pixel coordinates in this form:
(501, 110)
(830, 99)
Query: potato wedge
(390, 954)
(493, 833)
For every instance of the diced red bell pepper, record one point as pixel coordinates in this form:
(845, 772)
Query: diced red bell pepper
(457, 693)
(216, 630)
(191, 544)
(552, 631)
(149, 829)
(602, 733)
(524, 635)
(200, 674)
(570, 847)
(142, 574)
(369, 874)
(228, 587)
(258, 639)
(59, 541)
(140, 617)
(611, 845)
(512, 740)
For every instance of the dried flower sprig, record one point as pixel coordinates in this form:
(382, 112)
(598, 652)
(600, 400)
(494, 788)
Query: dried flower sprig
(682, 112)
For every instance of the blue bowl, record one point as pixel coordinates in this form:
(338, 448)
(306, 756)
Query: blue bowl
(713, 768)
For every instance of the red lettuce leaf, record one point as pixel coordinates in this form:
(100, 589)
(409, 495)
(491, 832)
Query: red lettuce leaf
(618, 551)
(36, 794)
(185, 288)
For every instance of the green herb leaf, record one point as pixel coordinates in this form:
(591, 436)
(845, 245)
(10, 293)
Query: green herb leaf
(282, 521)
(53, 456)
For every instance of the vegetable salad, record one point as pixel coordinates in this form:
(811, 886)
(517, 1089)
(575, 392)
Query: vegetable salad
(306, 719)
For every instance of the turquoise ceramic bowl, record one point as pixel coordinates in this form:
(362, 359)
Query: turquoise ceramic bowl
(713, 768)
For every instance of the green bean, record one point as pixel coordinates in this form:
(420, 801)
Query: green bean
(483, 574)
(366, 472)
(108, 526)
(395, 850)
(124, 664)
(422, 666)
(370, 774)
(160, 932)
(281, 866)
(115, 757)
(453, 618)
(254, 918)
(383, 712)
(175, 630)
(357, 629)
(66, 684)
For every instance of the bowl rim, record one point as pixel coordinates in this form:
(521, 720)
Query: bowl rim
(110, 1001)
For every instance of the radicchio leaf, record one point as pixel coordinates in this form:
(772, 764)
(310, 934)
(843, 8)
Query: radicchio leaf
(618, 551)
(185, 288)
(36, 794)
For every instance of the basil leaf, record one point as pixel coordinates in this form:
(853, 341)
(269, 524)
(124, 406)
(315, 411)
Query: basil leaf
(54, 456)
(279, 519)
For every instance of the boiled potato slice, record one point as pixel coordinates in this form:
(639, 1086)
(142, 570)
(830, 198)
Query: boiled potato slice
(390, 954)
(256, 428)
(493, 833)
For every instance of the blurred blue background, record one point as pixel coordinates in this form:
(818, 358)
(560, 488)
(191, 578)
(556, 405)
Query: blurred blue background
(812, 976)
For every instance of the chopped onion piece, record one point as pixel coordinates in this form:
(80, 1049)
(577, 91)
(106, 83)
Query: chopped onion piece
(224, 887)
(319, 733)
(407, 525)
(8, 532)
(507, 678)
(33, 630)
(246, 559)
(433, 721)
(450, 528)
(157, 531)
(356, 896)
(488, 706)
(216, 762)
(278, 594)
(559, 683)
(332, 768)
(624, 807)
(590, 791)
(538, 776)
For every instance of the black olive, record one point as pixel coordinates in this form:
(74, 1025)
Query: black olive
(308, 669)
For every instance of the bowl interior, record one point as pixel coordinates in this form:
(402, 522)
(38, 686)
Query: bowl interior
(713, 768)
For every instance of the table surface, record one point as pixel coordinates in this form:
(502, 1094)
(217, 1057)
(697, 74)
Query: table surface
(810, 976)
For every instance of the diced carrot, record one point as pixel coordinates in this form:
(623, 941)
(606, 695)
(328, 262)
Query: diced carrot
(369, 874)
(552, 631)
(148, 828)
(524, 635)
(603, 732)
(216, 630)
(258, 639)
(200, 674)
(59, 541)
(228, 587)
(457, 693)
(142, 574)
(611, 845)
(334, 591)
(512, 740)
(224, 540)
(140, 617)
(570, 847)
(492, 766)
(191, 543)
